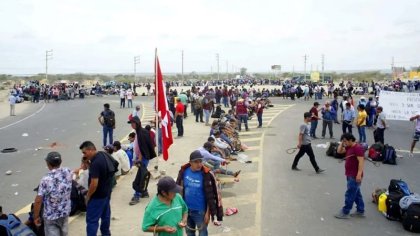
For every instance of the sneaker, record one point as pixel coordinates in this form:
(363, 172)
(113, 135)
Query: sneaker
(319, 171)
(331, 137)
(296, 169)
(314, 137)
(410, 155)
(134, 201)
(145, 195)
(236, 173)
(323, 137)
(341, 215)
(358, 214)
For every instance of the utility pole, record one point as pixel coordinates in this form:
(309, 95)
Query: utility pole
(136, 61)
(305, 57)
(323, 61)
(218, 71)
(182, 66)
(48, 56)
(392, 68)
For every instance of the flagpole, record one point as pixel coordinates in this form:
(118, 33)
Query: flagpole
(156, 112)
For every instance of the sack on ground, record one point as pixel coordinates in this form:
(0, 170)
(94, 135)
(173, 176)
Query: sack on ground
(411, 218)
(14, 226)
(406, 201)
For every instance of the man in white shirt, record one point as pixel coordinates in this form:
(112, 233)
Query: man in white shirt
(129, 98)
(122, 98)
(12, 102)
(122, 158)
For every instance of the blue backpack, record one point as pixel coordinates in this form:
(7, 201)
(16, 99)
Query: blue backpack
(399, 186)
(14, 227)
(389, 155)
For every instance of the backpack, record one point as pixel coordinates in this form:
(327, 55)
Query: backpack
(141, 181)
(399, 186)
(411, 218)
(77, 198)
(14, 227)
(109, 118)
(112, 164)
(389, 155)
(331, 148)
(393, 209)
(375, 152)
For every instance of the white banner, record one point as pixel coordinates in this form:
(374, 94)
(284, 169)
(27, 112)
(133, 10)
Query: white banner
(398, 105)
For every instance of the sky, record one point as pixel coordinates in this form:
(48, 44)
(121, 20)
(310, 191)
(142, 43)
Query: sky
(104, 36)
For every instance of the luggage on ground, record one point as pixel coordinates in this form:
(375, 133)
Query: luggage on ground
(332, 151)
(399, 186)
(15, 227)
(411, 218)
(389, 155)
(375, 152)
(382, 203)
(406, 201)
(393, 210)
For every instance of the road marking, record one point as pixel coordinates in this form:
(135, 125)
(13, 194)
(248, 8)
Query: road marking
(251, 139)
(250, 148)
(17, 122)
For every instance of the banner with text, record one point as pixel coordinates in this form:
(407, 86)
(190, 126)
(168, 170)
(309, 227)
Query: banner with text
(398, 105)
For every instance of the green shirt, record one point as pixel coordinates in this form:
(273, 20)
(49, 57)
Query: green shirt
(184, 98)
(161, 214)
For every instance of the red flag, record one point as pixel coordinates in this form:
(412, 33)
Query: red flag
(163, 111)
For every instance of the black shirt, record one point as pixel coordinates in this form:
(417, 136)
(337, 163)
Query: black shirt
(99, 169)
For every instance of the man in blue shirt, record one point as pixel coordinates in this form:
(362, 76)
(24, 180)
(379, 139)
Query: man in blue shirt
(200, 194)
(348, 118)
(328, 116)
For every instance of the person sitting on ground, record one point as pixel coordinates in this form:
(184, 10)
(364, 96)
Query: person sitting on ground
(81, 174)
(212, 158)
(122, 158)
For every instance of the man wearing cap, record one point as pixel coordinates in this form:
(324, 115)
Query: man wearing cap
(314, 119)
(166, 213)
(304, 145)
(101, 175)
(54, 191)
(200, 194)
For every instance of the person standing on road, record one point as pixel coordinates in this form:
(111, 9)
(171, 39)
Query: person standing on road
(242, 113)
(166, 214)
(129, 98)
(207, 107)
(304, 145)
(314, 120)
(99, 192)
(260, 110)
(328, 116)
(12, 102)
(54, 191)
(136, 112)
(179, 117)
(200, 193)
(416, 135)
(361, 123)
(123, 95)
(144, 152)
(348, 118)
(355, 158)
(381, 125)
(198, 107)
(107, 120)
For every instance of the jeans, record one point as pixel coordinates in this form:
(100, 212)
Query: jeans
(259, 116)
(362, 134)
(353, 195)
(145, 163)
(206, 115)
(107, 131)
(314, 124)
(59, 227)
(130, 103)
(179, 125)
(370, 119)
(226, 101)
(243, 118)
(326, 123)
(12, 109)
(216, 166)
(196, 220)
(98, 208)
(308, 150)
(347, 126)
(185, 111)
(122, 103)
(199, 113)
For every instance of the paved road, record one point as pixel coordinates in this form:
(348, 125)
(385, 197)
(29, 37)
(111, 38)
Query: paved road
(303, 203)
(66, 123)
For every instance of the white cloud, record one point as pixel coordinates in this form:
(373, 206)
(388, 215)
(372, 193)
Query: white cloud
(104, 36)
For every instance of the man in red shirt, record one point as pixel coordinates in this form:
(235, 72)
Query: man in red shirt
(179, 116)
(314, 119)
(355, 158)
